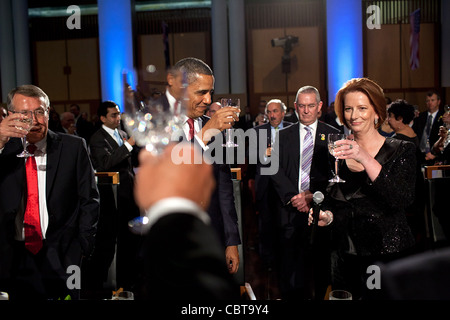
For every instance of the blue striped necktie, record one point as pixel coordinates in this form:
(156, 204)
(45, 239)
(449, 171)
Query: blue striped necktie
(307, 153)
(118, 138)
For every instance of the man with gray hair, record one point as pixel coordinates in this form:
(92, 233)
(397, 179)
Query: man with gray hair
(304, 168)
(49, 206)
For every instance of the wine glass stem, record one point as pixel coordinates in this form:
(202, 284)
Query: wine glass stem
(336, 165)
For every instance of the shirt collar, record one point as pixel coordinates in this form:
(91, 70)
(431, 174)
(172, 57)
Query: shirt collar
(170, 98)
(41, 146)
(109, 130)
(280, 126)
(313, 126)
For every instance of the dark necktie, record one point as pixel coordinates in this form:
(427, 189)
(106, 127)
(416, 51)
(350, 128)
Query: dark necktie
(428, 127)
(306, 159)
(31, 220)
(191, 128)
(176, 107)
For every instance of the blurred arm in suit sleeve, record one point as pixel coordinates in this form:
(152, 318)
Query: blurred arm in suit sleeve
(190, 261)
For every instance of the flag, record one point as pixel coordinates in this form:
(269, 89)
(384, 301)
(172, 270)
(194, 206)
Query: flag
(414, 32)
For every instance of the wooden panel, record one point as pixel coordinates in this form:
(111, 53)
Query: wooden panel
(84, 80)
(383, 56)
(267, 60)
(50, 61)
(151, 52)
(190, 44)
(424, 76)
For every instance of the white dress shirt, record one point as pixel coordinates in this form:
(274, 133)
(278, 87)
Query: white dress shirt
(172, 205)
(40, 156)
(111, 133)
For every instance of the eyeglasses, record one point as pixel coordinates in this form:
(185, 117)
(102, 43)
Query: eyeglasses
(310, 106)
(38, 113)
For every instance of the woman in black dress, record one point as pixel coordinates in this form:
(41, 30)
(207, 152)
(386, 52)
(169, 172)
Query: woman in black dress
(366, 214)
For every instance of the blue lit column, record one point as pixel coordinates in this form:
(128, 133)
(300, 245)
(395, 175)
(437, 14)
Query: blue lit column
(344, 43)
(116, 46)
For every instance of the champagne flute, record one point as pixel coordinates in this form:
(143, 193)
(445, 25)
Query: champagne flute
(26, 125)
(332, 138)
(235, 103)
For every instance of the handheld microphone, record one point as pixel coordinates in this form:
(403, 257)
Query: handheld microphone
(317, 199)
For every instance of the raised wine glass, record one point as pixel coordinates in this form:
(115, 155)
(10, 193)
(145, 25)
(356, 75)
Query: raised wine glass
(332, 138)
(235, 103)
(26, 124)
(152, 124)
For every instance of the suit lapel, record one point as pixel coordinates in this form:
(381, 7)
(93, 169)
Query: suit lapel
(294, 146)
(110, 140)
(54, 146)
(320, 140)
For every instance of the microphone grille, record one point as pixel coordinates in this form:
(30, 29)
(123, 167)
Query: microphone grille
(318, 197)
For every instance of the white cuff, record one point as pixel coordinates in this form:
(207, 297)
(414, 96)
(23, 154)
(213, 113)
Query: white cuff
(172, 205)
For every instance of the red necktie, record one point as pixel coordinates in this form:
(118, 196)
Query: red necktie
(31, 220)
(191, 128)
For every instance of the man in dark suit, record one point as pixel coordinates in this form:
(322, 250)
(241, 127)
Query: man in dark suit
(427, 124)
(265, 195)
(201, 130)
(304, 270)
(190, 263)
(112, 151)
(56, 189)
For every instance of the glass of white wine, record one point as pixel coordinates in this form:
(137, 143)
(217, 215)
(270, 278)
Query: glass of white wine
(26, 124)
(235, 103)
(332, 138)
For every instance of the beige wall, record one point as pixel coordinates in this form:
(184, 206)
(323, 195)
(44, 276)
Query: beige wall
(82, 85)
(387, 62)
(267, 81)
(383, 52)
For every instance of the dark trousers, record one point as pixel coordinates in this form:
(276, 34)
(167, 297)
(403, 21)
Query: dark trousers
(35, 277)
